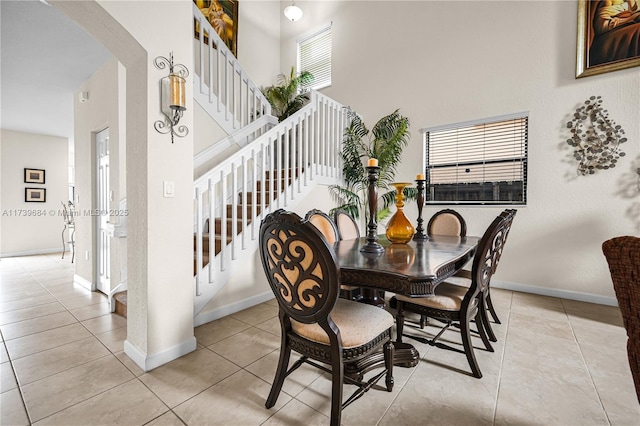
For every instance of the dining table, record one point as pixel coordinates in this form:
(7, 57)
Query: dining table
(413, 269)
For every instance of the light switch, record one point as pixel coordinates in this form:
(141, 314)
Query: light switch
(168, 188)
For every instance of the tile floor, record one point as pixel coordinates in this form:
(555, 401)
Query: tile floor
(557, 362)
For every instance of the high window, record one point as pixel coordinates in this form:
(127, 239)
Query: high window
(478, 162)
(314, 55)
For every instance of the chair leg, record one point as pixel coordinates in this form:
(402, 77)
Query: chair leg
(388, 364)
(281, 374)
(494, 315)
(468, 348)
(424, 321)
(399, 321)
(482, 310)
(482, 330)
(337, 377)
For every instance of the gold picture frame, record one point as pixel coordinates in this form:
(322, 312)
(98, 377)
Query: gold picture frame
(605, 35)
(34, 175)
(223, 17)
(35, 195)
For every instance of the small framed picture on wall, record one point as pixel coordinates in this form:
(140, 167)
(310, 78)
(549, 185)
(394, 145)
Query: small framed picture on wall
(33, 176)
(35, 195)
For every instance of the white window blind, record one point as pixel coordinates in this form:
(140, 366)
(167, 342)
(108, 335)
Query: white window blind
(314, 55)
(479, 162)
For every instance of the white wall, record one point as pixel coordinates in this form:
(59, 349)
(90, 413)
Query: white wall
(26, 227)
(259, 40)
(447, 62)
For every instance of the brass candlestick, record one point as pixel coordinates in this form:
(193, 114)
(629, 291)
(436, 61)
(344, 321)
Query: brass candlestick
(420, 235)
(372, 245)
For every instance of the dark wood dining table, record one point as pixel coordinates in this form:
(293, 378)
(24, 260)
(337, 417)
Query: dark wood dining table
(413, 269)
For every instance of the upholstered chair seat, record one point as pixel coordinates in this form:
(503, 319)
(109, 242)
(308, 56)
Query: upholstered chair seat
(358, 323)
(448, 297)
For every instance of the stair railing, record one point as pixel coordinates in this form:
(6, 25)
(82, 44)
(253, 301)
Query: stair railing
(222, 87)
(262, 177)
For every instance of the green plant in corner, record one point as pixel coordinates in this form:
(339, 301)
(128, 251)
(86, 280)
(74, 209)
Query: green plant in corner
(290, 94)
(386, 140)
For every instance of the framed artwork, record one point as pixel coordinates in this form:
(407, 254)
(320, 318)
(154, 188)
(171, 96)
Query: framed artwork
(33, 176)
(608, 36)
(35, 195)
(223, 17)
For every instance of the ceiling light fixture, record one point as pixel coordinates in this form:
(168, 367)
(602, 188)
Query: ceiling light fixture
(293, 12)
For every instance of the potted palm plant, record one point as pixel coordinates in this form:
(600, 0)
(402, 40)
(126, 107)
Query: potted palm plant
(386, 140)
(290, 94)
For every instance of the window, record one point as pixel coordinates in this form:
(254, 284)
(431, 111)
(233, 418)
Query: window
(478, 162)
(314, 55)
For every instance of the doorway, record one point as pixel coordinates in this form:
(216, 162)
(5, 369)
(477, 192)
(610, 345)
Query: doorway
(103, 195)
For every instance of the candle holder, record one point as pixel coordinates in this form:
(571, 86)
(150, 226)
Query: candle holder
(420, 235)
(372, 245)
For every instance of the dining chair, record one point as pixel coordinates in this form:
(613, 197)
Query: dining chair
(457, 304)
(347, 230)
(463, 278)
(447, 222)
(623, 257)
(329, 230)
(347, 225)
(325, 225)
(326, 331)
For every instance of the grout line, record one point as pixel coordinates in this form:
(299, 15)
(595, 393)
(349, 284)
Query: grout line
(586, 367)
(504, 350)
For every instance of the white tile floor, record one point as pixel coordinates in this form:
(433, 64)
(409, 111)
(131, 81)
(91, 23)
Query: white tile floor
(557, 362)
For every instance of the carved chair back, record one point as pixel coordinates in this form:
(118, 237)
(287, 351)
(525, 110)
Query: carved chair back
(447, 222)
(301, 268)
(347, 225)
(508, 215)
(486, 257)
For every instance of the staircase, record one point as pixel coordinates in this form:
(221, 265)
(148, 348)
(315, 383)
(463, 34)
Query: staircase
(275, 166)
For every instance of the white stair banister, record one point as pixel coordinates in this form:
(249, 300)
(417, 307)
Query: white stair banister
(222, 87)
(269, 173)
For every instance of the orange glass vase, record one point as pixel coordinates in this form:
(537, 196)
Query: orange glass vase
(399, 229)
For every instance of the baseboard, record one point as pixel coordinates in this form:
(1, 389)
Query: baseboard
(223, 311)
(555, 292)
(32, 252)
(83, 282)
(149, 362)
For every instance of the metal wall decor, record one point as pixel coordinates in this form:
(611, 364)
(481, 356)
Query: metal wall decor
(595, 137)
(172, 102)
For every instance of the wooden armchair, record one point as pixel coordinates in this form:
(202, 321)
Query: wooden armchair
(623, 257)
(303, 274)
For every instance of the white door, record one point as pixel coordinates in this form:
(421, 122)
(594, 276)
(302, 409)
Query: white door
(102, 213)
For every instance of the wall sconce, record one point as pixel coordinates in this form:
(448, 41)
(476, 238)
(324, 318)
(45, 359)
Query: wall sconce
(172, 97)
(293, 12)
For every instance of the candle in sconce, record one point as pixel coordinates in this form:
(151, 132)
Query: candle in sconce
(420, 177)
(373, 162)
